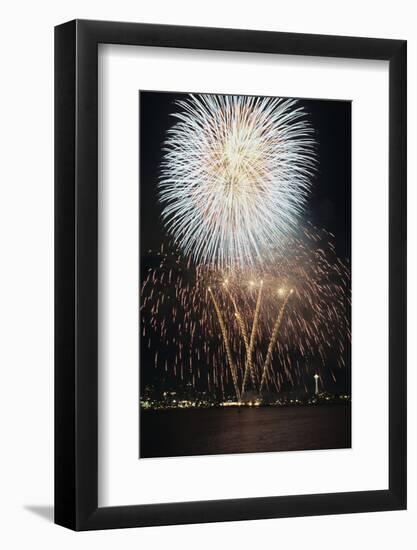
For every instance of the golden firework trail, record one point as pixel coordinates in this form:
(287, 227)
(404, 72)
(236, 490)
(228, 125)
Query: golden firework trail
(249, 360)
(238, 318)
(273, 340)
(226, 343)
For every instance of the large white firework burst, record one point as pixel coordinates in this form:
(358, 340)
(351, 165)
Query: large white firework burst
(235, 176)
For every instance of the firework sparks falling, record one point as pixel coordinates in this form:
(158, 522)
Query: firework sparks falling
(235, 176)
(276, 324)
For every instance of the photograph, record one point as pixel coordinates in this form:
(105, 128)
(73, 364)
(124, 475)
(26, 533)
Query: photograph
(245, 274)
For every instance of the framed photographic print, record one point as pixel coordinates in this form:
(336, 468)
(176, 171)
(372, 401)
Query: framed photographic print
(230, 275)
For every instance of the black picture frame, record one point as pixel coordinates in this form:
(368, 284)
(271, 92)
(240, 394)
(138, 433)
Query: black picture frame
(76, 271)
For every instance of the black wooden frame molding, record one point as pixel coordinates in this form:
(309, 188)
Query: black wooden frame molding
(76, 233)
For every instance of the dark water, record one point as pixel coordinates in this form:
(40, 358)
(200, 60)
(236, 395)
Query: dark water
(185, 432)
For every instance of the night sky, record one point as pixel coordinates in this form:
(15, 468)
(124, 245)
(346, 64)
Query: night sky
(328, 206)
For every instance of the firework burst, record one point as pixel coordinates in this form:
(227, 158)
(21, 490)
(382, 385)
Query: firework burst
(250, 329)
(235, 176)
